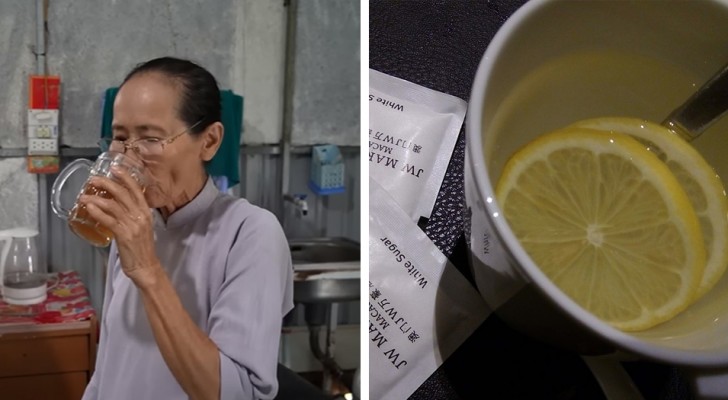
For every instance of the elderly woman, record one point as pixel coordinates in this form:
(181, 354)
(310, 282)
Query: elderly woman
(198, 281)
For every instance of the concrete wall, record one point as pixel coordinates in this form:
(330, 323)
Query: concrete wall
(326, 83)
(92, 45)
(18, 195)
(17, 30)
(240, 42)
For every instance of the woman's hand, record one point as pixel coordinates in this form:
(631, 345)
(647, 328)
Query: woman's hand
(129, 218)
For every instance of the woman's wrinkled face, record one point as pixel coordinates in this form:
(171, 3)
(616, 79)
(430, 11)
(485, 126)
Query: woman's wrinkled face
(146, 107)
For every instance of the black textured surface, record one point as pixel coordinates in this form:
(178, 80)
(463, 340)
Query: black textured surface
(438, 44)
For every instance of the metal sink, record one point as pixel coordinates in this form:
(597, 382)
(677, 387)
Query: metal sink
(326, 273)
(326, 270)
(324, 250)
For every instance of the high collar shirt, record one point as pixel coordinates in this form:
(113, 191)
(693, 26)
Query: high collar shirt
(230, 265)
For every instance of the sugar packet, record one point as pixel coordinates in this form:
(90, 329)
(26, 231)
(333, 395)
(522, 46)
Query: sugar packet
(421, 308)
(412, 133)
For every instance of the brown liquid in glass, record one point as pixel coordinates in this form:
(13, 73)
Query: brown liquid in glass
(86, 226)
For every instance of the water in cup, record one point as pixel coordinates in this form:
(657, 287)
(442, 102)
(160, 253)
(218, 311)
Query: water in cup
(618, 85)
(615, 84)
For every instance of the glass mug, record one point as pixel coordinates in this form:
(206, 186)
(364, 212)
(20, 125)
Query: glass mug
(78, 217)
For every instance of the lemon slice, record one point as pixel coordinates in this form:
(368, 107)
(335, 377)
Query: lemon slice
(607, 222)
(699, 180)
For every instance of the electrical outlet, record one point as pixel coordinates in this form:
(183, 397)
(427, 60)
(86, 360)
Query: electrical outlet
(37, 147)
(43, 132)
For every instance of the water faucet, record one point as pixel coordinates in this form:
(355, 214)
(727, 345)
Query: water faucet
(299, 200)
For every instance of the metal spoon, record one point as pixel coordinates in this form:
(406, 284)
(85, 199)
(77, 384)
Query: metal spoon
(703, 108)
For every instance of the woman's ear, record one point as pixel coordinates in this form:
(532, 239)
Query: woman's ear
(211, 141)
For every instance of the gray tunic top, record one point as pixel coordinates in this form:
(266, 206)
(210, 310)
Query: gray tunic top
(230, 264)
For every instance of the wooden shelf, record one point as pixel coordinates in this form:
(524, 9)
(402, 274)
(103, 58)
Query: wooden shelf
(48, 361)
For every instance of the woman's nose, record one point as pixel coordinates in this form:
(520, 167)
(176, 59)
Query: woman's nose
(130, 152)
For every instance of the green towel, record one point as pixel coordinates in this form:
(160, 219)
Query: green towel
(108, 111)
(227, 159)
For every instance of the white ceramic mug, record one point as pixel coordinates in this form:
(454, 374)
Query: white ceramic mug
(551, 64)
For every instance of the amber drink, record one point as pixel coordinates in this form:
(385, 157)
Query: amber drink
(79, 219)
(84, 225)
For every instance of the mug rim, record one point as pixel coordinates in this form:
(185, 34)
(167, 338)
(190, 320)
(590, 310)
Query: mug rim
(114, 154)
(523, 263)
(133, 165)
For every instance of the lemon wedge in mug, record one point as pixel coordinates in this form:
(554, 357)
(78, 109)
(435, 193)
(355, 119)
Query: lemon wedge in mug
(699, 180)
(607, 222)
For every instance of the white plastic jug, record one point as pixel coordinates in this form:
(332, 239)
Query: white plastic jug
(23, 280)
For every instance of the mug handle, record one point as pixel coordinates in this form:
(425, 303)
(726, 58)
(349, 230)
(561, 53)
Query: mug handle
(709, 383)
(61, 180)
(615, 382)
(53, 278)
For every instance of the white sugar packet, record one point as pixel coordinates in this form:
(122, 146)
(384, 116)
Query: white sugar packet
(421, 308)
(412, 133)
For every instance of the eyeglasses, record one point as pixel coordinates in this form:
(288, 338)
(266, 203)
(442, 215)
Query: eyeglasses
(144, 147)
